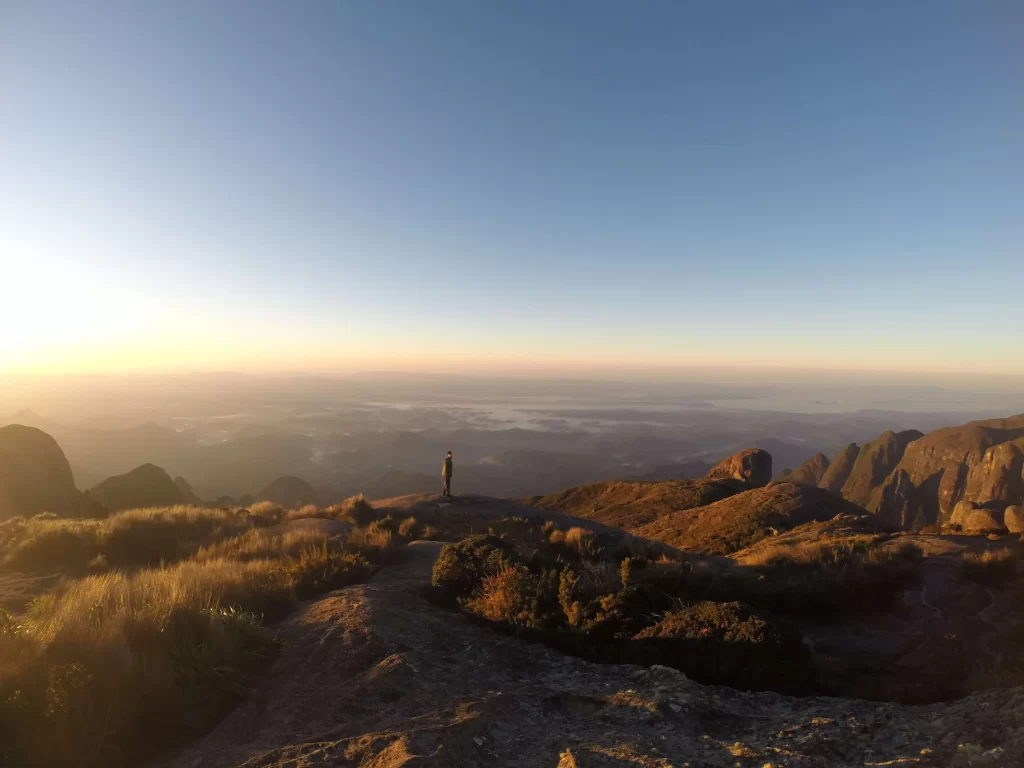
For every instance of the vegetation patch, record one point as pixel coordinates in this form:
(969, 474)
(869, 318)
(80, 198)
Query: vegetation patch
(992, 567)
(109, 669)
(719, 623)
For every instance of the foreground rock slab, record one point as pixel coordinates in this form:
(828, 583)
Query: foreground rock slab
(374, 675)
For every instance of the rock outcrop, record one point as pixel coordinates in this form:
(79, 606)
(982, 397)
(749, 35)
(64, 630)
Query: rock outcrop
(810, 472)
(34, 475)
(145, 486)
(751, 465)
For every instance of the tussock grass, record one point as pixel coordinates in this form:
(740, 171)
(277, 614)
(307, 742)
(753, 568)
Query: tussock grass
(991, 567)
(128, 539)
(108, 669)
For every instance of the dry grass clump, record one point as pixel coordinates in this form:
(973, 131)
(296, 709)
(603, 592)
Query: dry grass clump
(109, 669)
(129, 539)
(268, 508)
(309, 510)
(990, 567)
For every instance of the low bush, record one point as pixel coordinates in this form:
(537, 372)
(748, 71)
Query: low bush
(461, 567)
(727, 644)
(991, 567)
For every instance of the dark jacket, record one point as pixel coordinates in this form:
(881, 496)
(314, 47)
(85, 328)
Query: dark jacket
(446, 469)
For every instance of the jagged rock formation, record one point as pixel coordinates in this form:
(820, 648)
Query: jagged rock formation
(875, 461)
(751, 465)
(913, 480)
(835, 477)
(810, 472)
(945, 463)
(145, 486)
(34, 475)
(289, 492)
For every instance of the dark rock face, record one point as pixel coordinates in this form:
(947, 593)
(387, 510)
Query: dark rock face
(34, 475)
(834, 478)
(810, 472)
(751, 465)
(874, 463)
(896, 503)
(145, 486)
(288, 491)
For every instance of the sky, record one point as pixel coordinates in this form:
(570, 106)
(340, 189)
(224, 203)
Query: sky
(511, 186)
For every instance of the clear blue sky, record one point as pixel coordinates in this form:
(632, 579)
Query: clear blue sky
(476, 184)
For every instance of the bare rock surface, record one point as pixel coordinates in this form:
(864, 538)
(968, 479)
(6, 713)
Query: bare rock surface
(374, 675)
(751, 465)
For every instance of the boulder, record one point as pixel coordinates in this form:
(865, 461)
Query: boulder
(982, 521)
(962, 511)
(751, 465)
(1013, 518)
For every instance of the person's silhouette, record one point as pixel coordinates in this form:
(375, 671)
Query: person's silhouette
(446, 473)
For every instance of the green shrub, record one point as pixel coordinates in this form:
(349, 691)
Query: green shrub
(461, 567)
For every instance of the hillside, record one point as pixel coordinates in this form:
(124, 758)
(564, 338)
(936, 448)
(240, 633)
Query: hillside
(145, 486)
(289, 492)
(745, 518)
(34, 475)
(631, 505)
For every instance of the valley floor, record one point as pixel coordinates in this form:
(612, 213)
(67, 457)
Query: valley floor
(375, 675)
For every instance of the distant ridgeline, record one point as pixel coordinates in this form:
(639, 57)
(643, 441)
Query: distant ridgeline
(971, 476)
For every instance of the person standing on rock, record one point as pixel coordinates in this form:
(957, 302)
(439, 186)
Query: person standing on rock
(446, 473)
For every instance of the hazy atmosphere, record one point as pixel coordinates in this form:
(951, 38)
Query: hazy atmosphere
(472, 383)
(511, 187)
